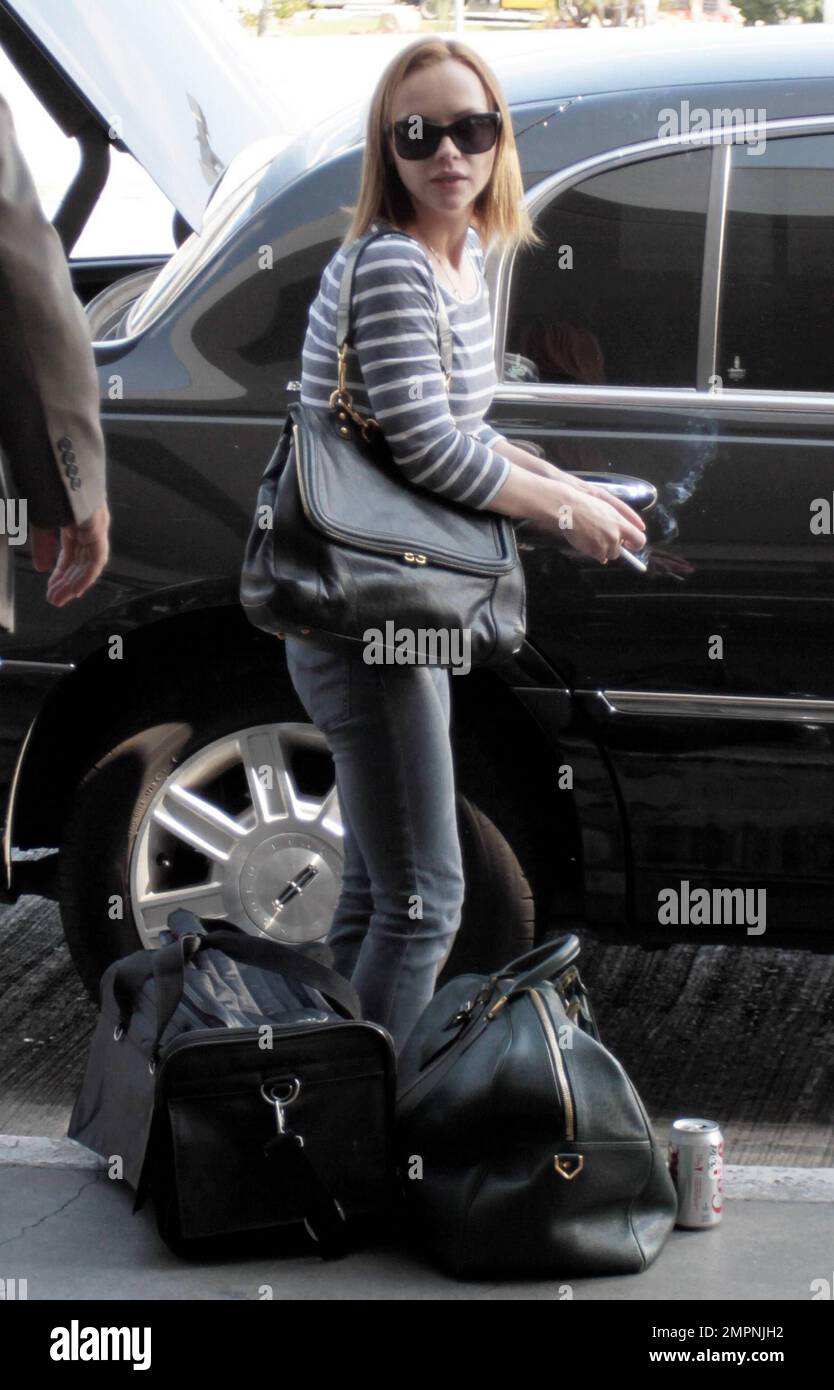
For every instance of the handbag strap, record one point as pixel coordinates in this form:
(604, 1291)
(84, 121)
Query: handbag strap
(166, 966)
(542, 963)
(344, 306)
(323, 1216)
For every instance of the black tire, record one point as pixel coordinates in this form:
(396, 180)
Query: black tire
(140, 753)
(499, 918)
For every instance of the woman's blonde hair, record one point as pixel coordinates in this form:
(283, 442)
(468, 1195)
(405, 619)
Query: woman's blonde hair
(498, 213)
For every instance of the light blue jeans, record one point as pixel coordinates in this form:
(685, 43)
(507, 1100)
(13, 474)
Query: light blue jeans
(402, 889)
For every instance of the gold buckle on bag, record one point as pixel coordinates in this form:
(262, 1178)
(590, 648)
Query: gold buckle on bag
(568, 1165)
(342, 401)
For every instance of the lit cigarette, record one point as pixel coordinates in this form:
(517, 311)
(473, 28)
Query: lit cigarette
(632, 559)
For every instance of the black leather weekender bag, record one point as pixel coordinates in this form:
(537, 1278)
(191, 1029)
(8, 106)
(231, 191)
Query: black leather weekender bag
(243, 1093)
(523, 1146)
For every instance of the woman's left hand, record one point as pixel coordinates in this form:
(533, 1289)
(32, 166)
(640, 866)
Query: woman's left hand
(597, 490)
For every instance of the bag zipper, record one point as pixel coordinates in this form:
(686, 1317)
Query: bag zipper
(412, 556)
(244, 1035)
(558, 1064)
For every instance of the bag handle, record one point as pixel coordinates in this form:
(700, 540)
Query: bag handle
(167, 967)
(551, 958)
(344, 307)
(132, 973)
(545, 961)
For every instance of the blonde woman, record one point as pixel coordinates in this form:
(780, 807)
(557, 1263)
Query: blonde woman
(441, 173)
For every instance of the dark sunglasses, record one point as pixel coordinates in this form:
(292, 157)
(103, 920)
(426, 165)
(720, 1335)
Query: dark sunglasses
(472, 134)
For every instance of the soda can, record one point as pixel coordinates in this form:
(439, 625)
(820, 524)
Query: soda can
(696, 1164)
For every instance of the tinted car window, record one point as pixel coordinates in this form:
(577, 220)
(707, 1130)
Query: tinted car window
(777, 305)
(622, 307)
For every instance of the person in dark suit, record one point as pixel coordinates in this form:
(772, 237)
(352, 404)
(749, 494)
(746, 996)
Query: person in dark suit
(50, 428)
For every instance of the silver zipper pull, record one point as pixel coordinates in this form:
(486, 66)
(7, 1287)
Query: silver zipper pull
(461, 1016)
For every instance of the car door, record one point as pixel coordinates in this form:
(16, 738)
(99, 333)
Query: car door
(675, 326)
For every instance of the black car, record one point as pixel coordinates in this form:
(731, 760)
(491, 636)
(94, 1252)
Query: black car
(663, 738)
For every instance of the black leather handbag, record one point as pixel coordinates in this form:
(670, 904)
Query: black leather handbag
(523, 1147)
(342, 542)
(245, 1137)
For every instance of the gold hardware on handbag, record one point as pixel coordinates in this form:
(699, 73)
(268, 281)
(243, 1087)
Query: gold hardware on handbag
(568, 1165)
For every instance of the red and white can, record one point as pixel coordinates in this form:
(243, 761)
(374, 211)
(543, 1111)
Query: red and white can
(696, 1163)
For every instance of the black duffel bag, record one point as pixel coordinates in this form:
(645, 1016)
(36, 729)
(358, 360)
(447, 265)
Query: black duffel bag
(242, 1092)
(523, 1147)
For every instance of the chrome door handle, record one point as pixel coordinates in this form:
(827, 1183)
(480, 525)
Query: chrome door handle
(640, 494)
(528, 445)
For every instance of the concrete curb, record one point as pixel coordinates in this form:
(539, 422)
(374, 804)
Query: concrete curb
(741, 1182)
(39, 1152)
(754, 1183)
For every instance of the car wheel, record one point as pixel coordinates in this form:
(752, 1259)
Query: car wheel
(214, 812)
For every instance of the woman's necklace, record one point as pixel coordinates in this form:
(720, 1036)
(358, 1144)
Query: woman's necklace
(455, 291)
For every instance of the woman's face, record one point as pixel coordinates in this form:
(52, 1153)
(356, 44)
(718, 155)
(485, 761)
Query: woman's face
(441, 93)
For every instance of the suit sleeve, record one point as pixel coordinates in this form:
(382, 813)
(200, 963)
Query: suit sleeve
(395, 338)
(50, 397)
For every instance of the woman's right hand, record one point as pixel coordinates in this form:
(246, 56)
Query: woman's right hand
(590, 522)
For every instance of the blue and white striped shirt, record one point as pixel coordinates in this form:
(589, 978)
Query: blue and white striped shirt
(394, 371)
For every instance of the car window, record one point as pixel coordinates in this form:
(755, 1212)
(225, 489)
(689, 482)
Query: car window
(224, 213)
(776, 320)
(613, 296)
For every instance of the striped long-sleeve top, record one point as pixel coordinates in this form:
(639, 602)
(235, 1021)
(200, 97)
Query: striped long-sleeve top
(394, 371)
